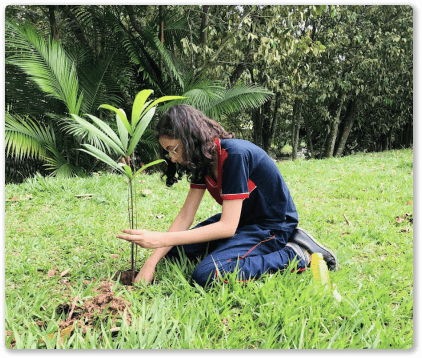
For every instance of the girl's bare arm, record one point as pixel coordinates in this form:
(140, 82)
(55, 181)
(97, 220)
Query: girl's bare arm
(224, 228)
(182, 222)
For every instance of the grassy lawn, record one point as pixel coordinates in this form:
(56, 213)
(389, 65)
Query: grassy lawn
(350, 204)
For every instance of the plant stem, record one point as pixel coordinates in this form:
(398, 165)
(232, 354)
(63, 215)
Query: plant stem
(131, 226)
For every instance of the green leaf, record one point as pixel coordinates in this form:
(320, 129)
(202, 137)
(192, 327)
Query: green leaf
(140, 129)
(95, 152)
(123, 133)
(138, 105)
(121, 115)
(161, 99)
(127, 169)
(147, 166)
(107, 130)
(97, 132)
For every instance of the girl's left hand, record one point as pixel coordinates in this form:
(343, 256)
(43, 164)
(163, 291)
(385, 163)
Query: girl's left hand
(146, 239)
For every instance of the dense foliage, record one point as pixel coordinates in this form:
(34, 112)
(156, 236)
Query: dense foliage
(332, 79)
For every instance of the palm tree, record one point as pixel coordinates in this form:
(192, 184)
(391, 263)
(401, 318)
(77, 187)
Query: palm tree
(53, 72)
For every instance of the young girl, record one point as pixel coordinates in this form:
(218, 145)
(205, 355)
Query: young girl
(257, 228)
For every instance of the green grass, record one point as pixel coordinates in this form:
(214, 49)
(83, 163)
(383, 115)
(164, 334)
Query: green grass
(55, 231)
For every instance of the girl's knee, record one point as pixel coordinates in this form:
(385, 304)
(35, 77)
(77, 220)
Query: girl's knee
(209, 270)
(203, 274)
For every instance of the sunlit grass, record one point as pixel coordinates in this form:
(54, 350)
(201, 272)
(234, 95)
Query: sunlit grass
(350, 204)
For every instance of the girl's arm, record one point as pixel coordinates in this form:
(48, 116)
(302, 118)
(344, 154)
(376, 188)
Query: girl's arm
(182, 222)
(224, 228)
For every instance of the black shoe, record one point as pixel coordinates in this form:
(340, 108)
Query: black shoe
(307, 242)
(301, 253)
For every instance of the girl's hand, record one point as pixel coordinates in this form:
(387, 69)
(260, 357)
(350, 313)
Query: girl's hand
(146, 274)
(146, 239)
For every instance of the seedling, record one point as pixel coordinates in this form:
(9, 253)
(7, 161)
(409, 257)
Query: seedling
(124, 143)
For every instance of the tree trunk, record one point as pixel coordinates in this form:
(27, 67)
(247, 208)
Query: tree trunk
(409, 135)
(243, 65)
(333, 132)
(136, 25)
(240, 68)
(384, 142)
(401, 141)
(53, 25)
(349, 118)
(295, 128)
(75, 28)
(256, 118)
(390, 139)
(267, 125)
(270, 122)
(204, 24)
(257, 126)
(309, 136)
(161, 14)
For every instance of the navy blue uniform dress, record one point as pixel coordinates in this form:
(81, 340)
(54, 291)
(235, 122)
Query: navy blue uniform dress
(267, 220)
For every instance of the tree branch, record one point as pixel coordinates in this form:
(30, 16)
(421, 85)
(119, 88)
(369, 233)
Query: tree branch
(134, 22)
(222, 47)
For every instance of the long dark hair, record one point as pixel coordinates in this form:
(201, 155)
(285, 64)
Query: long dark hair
(197, 133)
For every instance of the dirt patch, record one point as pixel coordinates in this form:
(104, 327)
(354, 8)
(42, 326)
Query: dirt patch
(103, 306)
(98, 308)
(125, 277)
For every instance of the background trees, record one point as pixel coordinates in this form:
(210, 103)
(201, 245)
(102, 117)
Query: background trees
(333, 79)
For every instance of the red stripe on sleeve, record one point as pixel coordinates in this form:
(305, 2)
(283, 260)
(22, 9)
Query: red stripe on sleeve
(235, 196)
(198, 186)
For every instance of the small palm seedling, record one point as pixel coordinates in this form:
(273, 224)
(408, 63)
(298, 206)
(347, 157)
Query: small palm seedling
(122, 143)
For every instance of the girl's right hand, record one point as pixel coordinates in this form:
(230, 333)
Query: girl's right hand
(146, 274)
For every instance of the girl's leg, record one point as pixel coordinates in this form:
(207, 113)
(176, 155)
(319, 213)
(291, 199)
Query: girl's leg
(194, 251)
(254, 250)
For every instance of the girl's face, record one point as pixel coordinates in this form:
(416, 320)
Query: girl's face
(174, 147)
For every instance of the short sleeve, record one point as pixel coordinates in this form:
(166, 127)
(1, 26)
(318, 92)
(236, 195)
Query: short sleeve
(199, 185)
(235, 177)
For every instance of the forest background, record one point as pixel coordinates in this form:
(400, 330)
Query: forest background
(321, 80)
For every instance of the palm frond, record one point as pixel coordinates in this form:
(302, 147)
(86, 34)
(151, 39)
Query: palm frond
(99, 133)
(101, 156)
(81, 133)
(23, 96)
(97, 83)
(238, 98)
(59, 166)
(158, 47)
(139, 55)
(175, 29)
(46, 63)
(24, 138)
(199, 94)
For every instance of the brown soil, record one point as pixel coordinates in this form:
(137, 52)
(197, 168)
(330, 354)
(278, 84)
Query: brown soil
(100, 307)
(125, 277)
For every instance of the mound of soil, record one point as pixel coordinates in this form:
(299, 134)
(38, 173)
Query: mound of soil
(102, 306)
(98, 308)
(125, 277)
